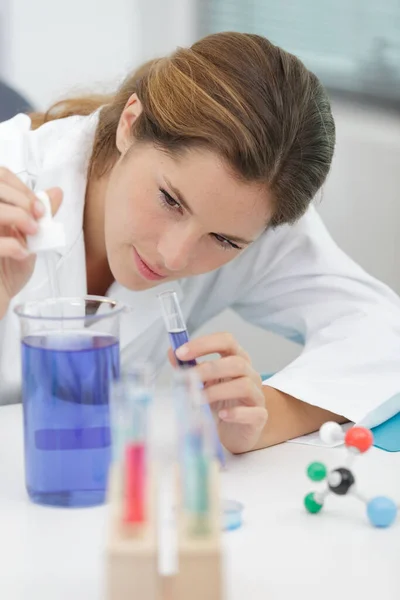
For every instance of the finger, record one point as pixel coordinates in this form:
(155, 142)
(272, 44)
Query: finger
(12, 248)
(10, 195)
(228, 367)
(172, 358)
(244, 415)
(223, 344)
(13, 191)
(18, 217)
(242, 388)
(55, 196)
(9, 179)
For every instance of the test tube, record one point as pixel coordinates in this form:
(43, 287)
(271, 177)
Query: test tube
(175, 323)
(130, 398)
(196, 480)
(135, 469)
(196, 452)
(178, 335)
(133, 384)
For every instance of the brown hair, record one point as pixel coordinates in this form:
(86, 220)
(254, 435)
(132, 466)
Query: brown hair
(237, 94)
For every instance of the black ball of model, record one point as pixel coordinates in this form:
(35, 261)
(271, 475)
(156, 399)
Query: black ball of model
(340, 481)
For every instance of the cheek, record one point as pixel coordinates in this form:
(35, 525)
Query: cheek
(144, 221)
(222, 258)
(209, 258)
(118, 217)
(134, 219)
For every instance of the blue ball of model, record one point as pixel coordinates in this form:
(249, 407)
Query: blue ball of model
(381, 511)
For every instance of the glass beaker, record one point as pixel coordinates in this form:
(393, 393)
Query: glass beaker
(70, 356)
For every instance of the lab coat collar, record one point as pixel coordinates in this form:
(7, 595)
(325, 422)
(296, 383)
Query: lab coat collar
(63, 151)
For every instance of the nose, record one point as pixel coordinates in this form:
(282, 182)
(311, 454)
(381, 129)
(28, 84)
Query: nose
(177, 247)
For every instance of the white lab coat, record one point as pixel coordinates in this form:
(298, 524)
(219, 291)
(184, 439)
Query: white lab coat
(293, 281)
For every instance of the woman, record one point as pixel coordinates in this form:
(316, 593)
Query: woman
(201, 171)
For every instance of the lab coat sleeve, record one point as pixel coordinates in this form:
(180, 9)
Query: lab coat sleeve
(305, 288)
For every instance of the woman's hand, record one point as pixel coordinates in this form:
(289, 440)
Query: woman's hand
(19, 213)
(232, 387)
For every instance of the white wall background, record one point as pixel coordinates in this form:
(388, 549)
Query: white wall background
(361, 202)
(56, 47)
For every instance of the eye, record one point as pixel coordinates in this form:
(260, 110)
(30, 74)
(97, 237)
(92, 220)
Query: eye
(168, 201)
(226, 244)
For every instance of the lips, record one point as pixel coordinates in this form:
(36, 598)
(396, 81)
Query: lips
(145, 269)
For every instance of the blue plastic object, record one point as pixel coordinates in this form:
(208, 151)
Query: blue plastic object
(232, 512)
(387, 434)
(381, 511)
(265, 376)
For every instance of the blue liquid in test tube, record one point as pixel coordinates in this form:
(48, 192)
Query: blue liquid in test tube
(177, 339)
(178, 336)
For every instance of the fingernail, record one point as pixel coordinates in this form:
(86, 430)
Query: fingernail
(33, 226)
(23, 252)
(39, 208)
(182, 351)
(223, 414)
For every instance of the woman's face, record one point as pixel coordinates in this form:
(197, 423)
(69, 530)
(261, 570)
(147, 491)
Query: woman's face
(172, 217)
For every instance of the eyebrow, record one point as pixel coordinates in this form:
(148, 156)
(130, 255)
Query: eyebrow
(183, 202)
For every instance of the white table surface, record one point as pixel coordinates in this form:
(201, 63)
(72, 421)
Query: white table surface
(280, 553)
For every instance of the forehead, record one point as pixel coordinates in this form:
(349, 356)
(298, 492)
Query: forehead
(222, 201)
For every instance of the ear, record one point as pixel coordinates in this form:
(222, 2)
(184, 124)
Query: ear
(132, 110)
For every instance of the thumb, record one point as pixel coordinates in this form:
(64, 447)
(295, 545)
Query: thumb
(172, 358)
(56, 197)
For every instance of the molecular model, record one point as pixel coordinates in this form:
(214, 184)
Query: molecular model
(381, 511)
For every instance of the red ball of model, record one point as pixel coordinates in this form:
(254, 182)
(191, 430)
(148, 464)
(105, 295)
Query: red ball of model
(359, 438)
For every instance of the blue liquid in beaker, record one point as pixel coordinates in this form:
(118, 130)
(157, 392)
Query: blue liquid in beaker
(66, 385)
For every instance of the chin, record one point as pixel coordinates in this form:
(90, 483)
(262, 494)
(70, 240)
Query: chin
(124, 273)
(124, 276)
(141, 285)
(132, 282)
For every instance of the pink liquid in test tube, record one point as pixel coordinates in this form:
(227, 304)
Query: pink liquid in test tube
(135, 482)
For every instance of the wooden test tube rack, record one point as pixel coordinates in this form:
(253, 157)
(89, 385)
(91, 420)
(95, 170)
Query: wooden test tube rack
(200, 570)
(131, 570)
(132, 557)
